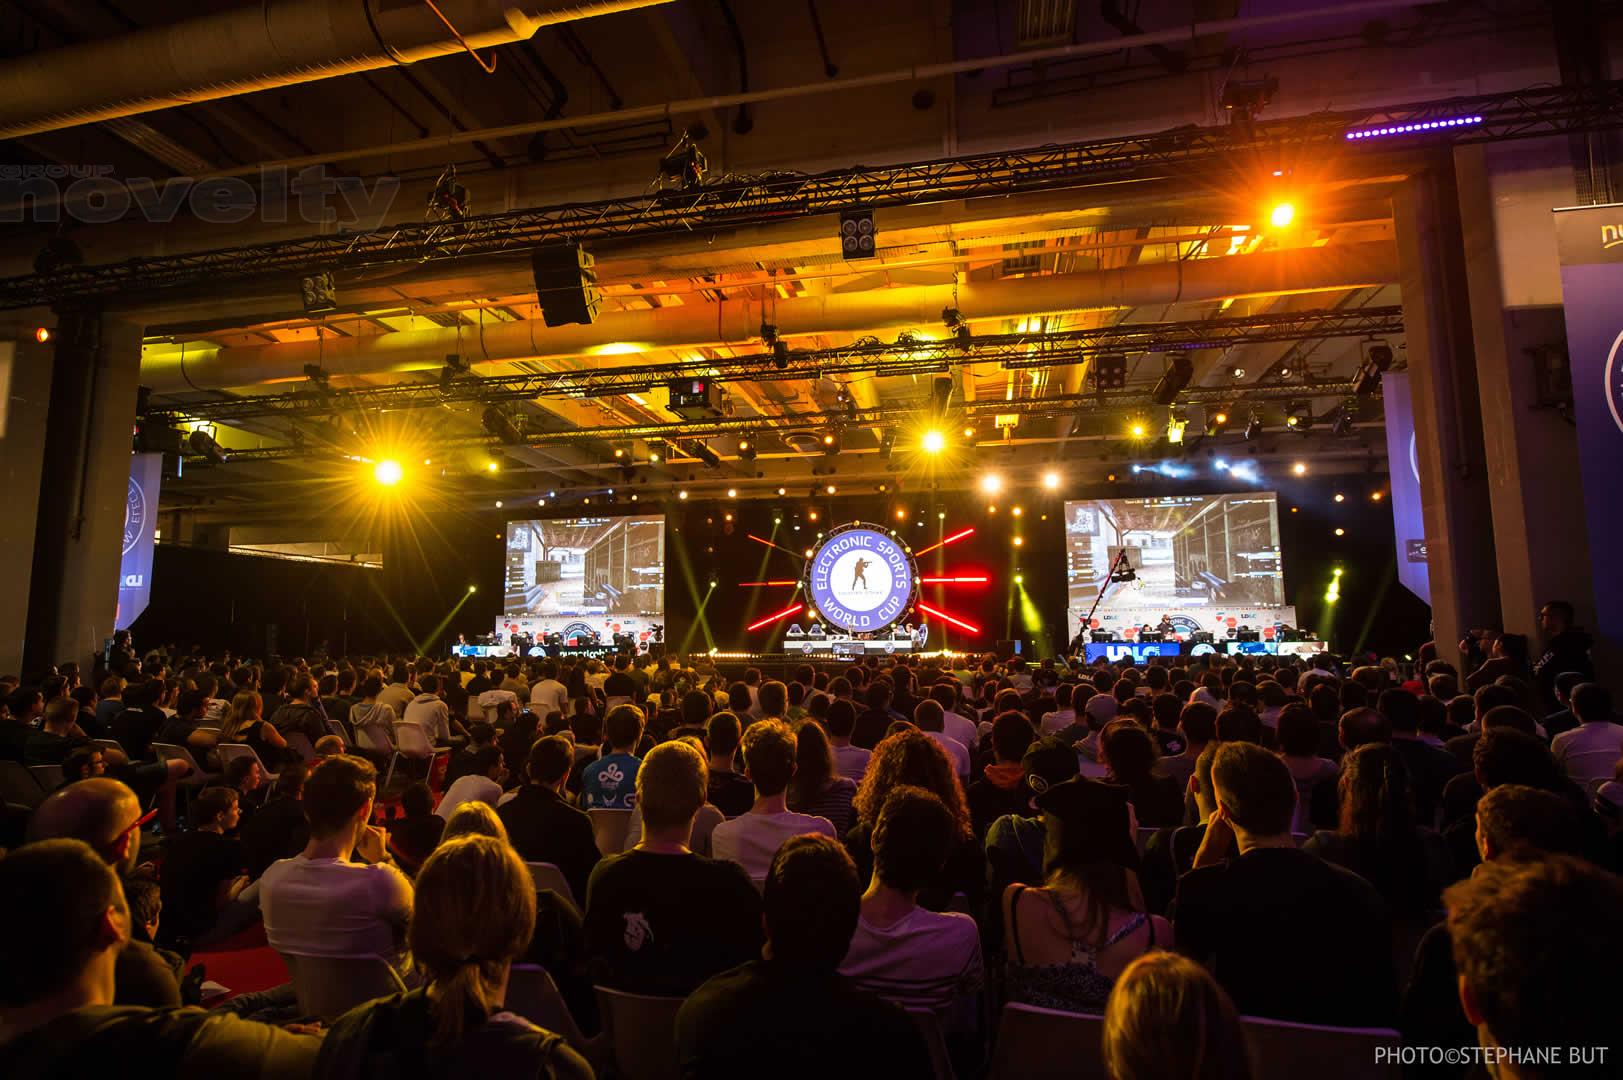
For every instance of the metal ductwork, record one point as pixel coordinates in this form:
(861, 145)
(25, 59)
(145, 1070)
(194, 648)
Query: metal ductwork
(1330, 268)
(259, 47)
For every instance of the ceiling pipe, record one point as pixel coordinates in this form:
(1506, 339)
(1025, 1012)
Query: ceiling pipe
(259, 47)
(169, 369)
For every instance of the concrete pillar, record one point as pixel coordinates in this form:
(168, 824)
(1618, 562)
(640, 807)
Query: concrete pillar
(25, 395)
(1512, 269)
(1447, 411)
(83, 484)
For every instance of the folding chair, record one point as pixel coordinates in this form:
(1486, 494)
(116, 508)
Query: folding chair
(300, 742)
(199, 776)
(229, 752)
(1281, 1050)
(337, 728)
(532, 994)
(609, 829)
(549, 876)
(49, 776)
(929, 1026)
(19, 786)
(329, 986)
(1047, 1044)
(642, 1032)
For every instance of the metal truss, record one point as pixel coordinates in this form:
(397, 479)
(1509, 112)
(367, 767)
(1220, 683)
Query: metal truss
(905, 356)
(732, 202)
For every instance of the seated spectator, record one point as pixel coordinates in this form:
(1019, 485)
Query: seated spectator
(1297, 736)
(137, 723)
(145, 898)
(1167, 1019)
(414, 836)
(244, 776)
(57, 736)
(1484, 702)
(956, 725)
(483, 783)
(906, 954)
(1129, 755)
(1063, 716)
(371, 719)
(730, 791)
(302, 712)
(1001, 789)
(792, 1006)
(644, 930)
(328, 746)
(542, 824)
(611, 781)
(480, 735)
(1523, 984)
(1015, 842)
(1590, 752)
(323, 902)
(1066, 952)
(1239, 722)
(245, 723)
(182, 729)
(817, 789)
(475, 912)
(1252, 898)
(752, 839)
(841, 723)
(875, 720)
(429, 712)
(1429, 767)
(202, 871)
(83, 764)
(1556, 723)
(57, 1011)
(277, 830)
(106, 815)
(929, 718)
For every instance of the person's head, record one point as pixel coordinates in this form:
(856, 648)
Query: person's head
(1047, 763)
(1298, 731)
(1168, 1019)
(303, 688)
(83, 763)
(738, 698)
(1012, 733)
(769, 756)
(722, 733)
(671, 785)
(216, 808)
(1517, 821)
(1362, 725)
(1198, 722)
(327, 746)
(841, 719)
(473, 914)
(1491, 697)
(550, 762)
(417, 800)
(146, 904)
(60, 716)
(338, 795)
(1508, 755)
(1591, 703)
(1089, 849)
(912, 839)
(487, 761)
(101, 812)
(945, 694)
(1444, 686)
(623, 726)
(1374, 794)
(1535, 945)
(1401, 709)
(1555, 616)
(475, 818)
(811, 901)
(910, 757)
(774, 698)
(481, 733)
(68, 921)
(1128, 751)
(1254, 790)
(1238, 722)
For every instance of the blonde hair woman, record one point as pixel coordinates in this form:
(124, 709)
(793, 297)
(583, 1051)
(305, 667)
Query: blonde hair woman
(245, 723)
(473, 915)
(1167, 1019)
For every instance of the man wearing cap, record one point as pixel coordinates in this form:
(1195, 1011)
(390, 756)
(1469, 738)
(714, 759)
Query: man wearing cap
(1014, 843)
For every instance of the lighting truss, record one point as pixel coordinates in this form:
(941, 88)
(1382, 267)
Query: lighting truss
(903, 357)
(773, 197)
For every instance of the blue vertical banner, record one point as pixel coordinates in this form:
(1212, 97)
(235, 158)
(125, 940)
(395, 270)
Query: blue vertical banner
(140, 519)
(1591, 243)
(1408, 520)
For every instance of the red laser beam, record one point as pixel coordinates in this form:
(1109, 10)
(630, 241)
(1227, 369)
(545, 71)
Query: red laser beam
(954, 580)
(955, 536)
(785, 613)
(761, 584)
(770, 544)
(944, 617)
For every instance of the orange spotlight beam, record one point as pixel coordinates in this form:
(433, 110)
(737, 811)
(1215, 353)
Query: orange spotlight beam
(959, 535)
(784, 614)
(944, 617)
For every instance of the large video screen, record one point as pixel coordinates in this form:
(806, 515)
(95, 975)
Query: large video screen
(1206, 562)
(584, 576)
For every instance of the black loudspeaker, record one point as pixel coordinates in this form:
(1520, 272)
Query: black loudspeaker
(1010, 647)
(565, 284)
(859, 238)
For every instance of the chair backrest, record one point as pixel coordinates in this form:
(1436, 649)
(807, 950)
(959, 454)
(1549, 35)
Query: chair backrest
(929, 1026)
(174, 752)
(329, 986)
(1047, 1044)
(300, 742)
(548, 876)
(374, 738)
(1280, 1049)
(338, 729)
(532, 994)
(49, 776)
(609, 829)
(229, 752)
(18, 785)
(642, 1030)
(109, 744)
(412, 740)
(438, 766)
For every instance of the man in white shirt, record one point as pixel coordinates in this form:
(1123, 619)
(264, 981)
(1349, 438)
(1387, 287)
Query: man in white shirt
(841, 722)
(953, 724)
(927, 716)
(753, 839)
(481, 783)
(1063, 715)
(429, 711)
(323, 903)
(911, 956)
(399, 693)
(1589, 752)
(549, 695)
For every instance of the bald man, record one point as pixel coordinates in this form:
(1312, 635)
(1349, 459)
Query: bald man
(106, 815)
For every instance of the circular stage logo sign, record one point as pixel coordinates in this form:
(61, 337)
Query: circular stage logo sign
(860, 578)
(135, 515)
(1614, 384)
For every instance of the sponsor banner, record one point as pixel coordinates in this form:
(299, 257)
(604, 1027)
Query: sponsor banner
(1408, 520)
(1128, 621)
(140, 520)
(1591, 243)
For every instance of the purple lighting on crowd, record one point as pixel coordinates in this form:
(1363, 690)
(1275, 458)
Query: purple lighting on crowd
(1418, 125)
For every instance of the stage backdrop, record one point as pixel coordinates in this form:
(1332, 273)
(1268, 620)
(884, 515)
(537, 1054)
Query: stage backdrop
(1591, 241)
(1408, 524)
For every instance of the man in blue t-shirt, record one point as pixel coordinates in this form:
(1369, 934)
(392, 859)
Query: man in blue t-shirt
(611, 781)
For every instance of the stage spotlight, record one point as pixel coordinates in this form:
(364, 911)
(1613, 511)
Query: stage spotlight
(1019, 579)
(619, 453)
(42, 334)
(1300, 468)
(1376, 496)
(969, 433)
(783, 491)
(953, 319)
(1173, 380)
(831, 443)
(991, 484)
(706, 455)
(1340, 497)
(682, 495)
(1377, 360)
(493, 466)
(901, 514)
(540, 502)
(1281, 215)
(1343, 422)
(732, 493)
(746, 450)
(1341, 532)
(1237, 373)
(1138, 428)
(1253, 426)
(1051, 480)
(1216, 422)
(780, 355)
(473, 588)
(1019, 541)
(831, 489)
(811, 515)
(498, 504)
(1018, 511)
(1109, 371)
(1175, 429)
(1220, 465)
(1299, 416)
(499, 424)
(388, 472)
(933, 442)
(203, 444)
